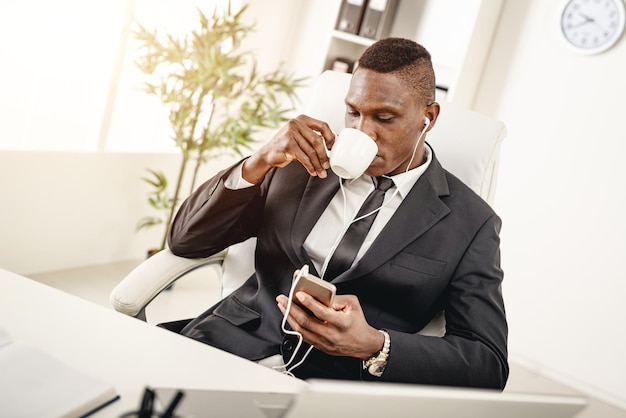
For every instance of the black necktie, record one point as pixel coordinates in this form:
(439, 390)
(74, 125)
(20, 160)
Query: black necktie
(346, 252)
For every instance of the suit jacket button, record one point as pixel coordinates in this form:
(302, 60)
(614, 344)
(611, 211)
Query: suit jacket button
(288, 344)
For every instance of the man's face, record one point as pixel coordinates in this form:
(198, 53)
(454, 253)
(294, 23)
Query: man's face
(383, 107)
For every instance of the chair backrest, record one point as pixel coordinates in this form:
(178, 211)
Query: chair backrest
(467, 144)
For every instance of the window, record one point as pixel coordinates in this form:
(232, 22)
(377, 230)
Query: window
(68, 81)
(57, 62)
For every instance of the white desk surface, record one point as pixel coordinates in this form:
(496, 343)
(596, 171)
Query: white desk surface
(124, 351)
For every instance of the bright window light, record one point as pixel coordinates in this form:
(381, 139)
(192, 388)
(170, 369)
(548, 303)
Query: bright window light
(68, 81)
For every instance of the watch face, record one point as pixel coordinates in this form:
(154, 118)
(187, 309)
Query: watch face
(592, 26)
(377, 368)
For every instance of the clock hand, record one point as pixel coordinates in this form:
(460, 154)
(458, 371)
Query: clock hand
(584, 22)
(587, 18)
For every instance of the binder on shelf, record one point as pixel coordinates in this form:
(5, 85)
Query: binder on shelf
(350, 16)
(378, 18)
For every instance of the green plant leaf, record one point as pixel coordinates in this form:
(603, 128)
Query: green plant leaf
(214, 94)
(148, 222)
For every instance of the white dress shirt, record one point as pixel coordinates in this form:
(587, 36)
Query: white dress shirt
(335, 220)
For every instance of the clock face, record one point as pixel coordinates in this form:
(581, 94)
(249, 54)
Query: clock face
(592, 26)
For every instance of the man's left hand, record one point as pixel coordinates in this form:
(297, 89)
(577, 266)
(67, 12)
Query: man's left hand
(338, 330)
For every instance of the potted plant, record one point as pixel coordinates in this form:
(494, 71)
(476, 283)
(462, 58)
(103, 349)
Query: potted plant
(216, 98)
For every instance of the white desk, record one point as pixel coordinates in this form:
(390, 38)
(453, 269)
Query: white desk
(131, 355)
(122, 350)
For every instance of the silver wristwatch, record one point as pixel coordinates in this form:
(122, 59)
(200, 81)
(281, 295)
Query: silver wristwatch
(376, 365)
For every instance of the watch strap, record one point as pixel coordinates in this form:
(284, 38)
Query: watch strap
(376, 365)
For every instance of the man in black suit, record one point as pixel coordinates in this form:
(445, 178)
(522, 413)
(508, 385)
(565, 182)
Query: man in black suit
(433, 247)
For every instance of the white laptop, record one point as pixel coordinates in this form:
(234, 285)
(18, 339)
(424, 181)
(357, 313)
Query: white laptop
(199, 403)
(343, 399)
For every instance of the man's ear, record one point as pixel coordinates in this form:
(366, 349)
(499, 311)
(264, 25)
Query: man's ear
(432, 113)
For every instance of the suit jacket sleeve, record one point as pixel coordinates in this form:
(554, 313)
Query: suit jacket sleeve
(215, 217)
(473, 352)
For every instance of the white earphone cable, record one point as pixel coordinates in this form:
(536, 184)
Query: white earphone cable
(305, 269)
(287, 369)
(333, 248)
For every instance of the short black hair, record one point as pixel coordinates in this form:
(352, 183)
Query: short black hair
(406, 58)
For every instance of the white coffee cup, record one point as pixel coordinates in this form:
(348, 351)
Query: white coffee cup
(352, 152)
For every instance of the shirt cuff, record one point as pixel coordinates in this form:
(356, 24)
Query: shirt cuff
(235, 180)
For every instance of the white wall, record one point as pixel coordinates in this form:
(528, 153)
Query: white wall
(62, 210)
(562, 198)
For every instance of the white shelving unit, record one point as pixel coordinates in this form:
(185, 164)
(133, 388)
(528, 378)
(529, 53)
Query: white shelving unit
(457, 33)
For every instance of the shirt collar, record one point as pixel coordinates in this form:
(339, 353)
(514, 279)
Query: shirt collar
(406, 180)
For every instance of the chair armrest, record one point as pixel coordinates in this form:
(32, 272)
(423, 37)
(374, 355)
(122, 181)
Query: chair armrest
(148, 279)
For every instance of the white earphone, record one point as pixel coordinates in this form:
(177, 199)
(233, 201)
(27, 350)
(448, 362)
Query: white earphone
(426, 123)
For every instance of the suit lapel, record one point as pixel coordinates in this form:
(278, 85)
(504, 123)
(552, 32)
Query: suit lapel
(316, 197)
(420, 210)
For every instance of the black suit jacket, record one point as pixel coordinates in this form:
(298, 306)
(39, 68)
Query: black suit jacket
(439, 251)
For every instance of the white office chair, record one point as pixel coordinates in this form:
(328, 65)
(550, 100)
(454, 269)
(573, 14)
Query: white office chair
(466, 143)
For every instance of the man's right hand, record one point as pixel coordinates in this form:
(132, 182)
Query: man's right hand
(301, 139)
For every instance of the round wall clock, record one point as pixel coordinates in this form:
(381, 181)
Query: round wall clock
(592, 26)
